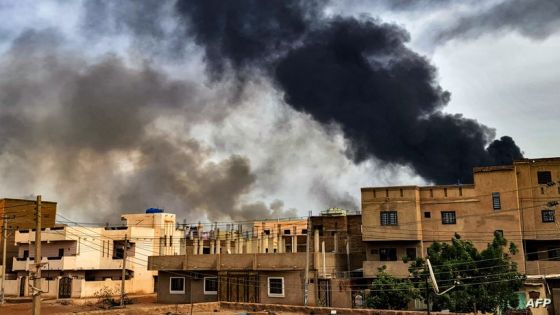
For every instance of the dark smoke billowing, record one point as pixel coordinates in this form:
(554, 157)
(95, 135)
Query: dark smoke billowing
(97, 132)
(356, 73)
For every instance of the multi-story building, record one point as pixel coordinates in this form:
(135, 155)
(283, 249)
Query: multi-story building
(518, 200)
(79, 261)
(265, 263)
(18, 213)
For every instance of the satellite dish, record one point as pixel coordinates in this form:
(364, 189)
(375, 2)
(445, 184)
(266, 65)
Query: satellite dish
(434, 282)
(432, 276)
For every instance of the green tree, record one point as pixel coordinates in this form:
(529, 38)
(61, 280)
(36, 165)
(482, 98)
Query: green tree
(485, 281)
(389, 292)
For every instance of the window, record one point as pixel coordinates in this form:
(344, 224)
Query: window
(267, 232)
(544, 177)
(496, 202)
(427, 214)
(411, 253)
(60, 252)
(554, 253)
(388, 254)
(445, 192)
(304, 231)
(448, 217)
(548, 216)
(287, 232)
(499, 232)
(177, 285)
(276, 286)
(25, 253)
(210, 285)
(389, 218)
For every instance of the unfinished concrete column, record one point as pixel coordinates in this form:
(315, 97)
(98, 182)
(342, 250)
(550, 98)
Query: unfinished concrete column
(249, 249)
(335, 242)
(316, 240)
(218, 245)
(195, 246)
(200, 246)
(264, 247)
(294, 240)
(212, 247)
(241, 244)
(228, 243)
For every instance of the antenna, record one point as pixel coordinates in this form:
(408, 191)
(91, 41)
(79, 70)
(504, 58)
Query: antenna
(434, 281)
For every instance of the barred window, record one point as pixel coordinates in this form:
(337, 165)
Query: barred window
(544, 177)
(496, 202)
(448, 217)
(548, 216)
(176, 285)
(389, 218)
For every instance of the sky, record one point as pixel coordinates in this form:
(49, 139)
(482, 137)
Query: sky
(114, 108)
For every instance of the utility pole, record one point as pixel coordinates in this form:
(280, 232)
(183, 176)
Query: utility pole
(427, 295)
(306, 285)
(5, 240)
(123, 275)
(37, 272)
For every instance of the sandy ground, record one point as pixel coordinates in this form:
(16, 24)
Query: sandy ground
(142, 305)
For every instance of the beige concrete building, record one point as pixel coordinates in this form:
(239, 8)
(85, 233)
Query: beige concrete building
(80, 261)
(518, 200)
(265, 263)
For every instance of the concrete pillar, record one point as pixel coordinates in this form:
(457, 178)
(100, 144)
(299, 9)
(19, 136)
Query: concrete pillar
(241, 245)
(212, 250)
(195, 247)
(218, 245)
(228, 243)
(335, 242)
(200, 246)
(294, 239)
(316, 240)
(249, 246)
(264, 243)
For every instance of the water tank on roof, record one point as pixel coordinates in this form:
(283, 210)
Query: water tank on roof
(154, 210)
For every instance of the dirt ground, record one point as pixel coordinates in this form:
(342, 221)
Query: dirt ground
(142, 306)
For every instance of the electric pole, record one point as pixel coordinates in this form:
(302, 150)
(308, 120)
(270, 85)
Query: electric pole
(306, 284)
(5, 240)
(37, 270)
(123, 275)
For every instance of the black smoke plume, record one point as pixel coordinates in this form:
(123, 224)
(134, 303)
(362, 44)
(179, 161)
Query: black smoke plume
(357, 73)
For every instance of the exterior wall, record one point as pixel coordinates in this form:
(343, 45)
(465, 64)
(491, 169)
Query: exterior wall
(193, 288)
(293, 287)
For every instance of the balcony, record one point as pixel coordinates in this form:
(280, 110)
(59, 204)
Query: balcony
(395, 268)
(543, 267)
(280, 261)
(71, 263)
(47, 235)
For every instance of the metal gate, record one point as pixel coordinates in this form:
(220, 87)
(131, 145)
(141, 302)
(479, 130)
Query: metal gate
(22, 283)
(238, 286)
(64, 288)
(324, 292)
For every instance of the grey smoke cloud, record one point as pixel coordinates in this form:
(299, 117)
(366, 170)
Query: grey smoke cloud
(102, 133)
(536, 19)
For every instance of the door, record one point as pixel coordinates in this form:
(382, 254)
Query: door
(23, 281)
(238, 287)
(64, 288)
(324, 292)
